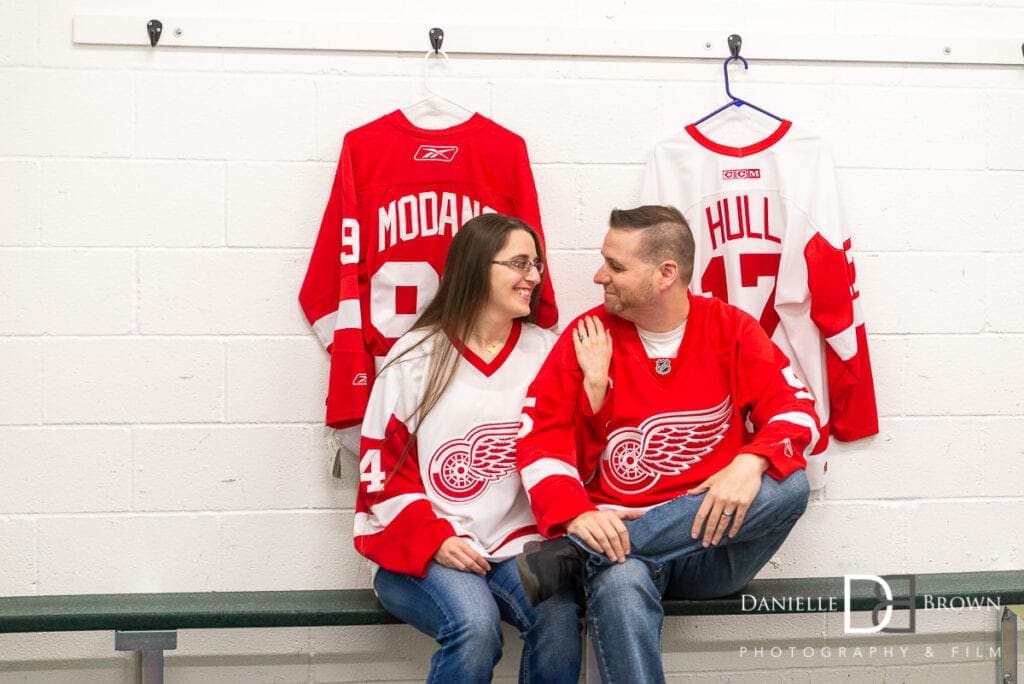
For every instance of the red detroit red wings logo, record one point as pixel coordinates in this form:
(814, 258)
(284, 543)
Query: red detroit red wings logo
(665, 444)
(461, 468)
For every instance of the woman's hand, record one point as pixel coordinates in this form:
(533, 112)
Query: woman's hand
(593, 346)
(457, 554)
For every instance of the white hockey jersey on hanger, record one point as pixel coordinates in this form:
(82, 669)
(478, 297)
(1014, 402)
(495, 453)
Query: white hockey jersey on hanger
(768, 238)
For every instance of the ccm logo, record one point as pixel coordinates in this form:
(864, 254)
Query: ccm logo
(441, 153)
(733, 174)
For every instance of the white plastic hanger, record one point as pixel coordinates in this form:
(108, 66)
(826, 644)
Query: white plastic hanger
(435, 111)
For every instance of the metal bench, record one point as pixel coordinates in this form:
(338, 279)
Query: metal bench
(148, 623)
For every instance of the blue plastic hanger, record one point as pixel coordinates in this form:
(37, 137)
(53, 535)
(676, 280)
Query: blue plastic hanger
(734, 46)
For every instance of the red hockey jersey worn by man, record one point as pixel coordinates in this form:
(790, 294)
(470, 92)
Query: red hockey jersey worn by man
(765, 218)
(666, 424)
(400, 193)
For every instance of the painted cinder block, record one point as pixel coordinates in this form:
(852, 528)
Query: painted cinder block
(558, 190)
(963, 375)
(935, 211)
(67, 292)
(128, 202)
(231, 468)
(18, 574)
(201, 116)
(573, 272)
(133, 380)
(1000, 459)
(65, 470)
(962, 535)
(276, 204)
(605, 123)
(276, 380)
(900, 462)
(881, 135)
(1004, 280)
(938, 292)
(19, 39)
(21, 401)
(128, 553)
(93, 113)
(888, 365)
(220, 291)
(863, 538)
(603, 188)
(265, 551)
(1004, 143)
(20, 202)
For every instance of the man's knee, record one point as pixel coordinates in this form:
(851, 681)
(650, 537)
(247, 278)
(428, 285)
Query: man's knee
(621, 584)
(788, 498)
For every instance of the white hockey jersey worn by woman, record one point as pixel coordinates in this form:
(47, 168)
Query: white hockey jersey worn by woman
(458, 477)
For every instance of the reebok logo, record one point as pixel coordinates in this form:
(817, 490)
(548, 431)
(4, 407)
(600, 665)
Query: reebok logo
(441, 153)
(738, 174)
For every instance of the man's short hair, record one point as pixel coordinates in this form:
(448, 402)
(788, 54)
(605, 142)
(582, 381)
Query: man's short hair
(666, 235)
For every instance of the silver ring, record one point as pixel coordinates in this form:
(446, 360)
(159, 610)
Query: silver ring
(582, 337)
(728, 515)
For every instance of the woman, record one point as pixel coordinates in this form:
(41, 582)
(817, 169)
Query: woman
(440, 507)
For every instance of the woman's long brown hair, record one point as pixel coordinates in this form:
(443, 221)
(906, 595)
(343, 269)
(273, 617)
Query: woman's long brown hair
(460, 300)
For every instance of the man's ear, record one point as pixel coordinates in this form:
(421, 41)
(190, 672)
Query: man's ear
(668, 274)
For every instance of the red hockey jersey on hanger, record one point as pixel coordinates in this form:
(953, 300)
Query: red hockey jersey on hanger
(400, 194)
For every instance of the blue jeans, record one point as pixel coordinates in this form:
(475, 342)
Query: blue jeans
(462, 612)
(624, 599)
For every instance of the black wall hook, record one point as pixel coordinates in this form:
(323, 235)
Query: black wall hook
(436, 39)
(154, 27)
(735, 43)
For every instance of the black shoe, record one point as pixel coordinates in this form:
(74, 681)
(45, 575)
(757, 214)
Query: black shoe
(547, 567)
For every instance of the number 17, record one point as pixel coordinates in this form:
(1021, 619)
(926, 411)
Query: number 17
(753, 267)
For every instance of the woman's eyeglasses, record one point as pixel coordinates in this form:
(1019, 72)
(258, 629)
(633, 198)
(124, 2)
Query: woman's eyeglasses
(524, 266)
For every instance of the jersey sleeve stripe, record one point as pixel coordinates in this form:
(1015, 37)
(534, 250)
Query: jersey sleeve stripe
(324, 328)
(349, 315)
(384, 513)
(804, 420)
(844, 343)
(532, 474)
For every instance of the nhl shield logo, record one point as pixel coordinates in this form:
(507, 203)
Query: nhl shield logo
(663, 366)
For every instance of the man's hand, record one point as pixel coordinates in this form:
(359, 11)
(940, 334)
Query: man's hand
(730, 492)
(603, 531)
(457, 554)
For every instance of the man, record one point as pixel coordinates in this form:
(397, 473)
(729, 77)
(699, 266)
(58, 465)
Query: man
(665, 434)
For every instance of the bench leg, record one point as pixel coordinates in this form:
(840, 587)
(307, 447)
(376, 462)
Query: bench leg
(150, 647)
(1008, 645)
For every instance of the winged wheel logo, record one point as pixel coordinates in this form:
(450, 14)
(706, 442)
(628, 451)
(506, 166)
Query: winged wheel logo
(461, 468)
(665, 444)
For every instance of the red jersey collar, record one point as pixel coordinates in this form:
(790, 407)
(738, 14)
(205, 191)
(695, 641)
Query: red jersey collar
(489, 369)
(759, 146)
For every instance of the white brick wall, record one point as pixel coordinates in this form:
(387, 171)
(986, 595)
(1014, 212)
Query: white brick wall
(161, 394)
